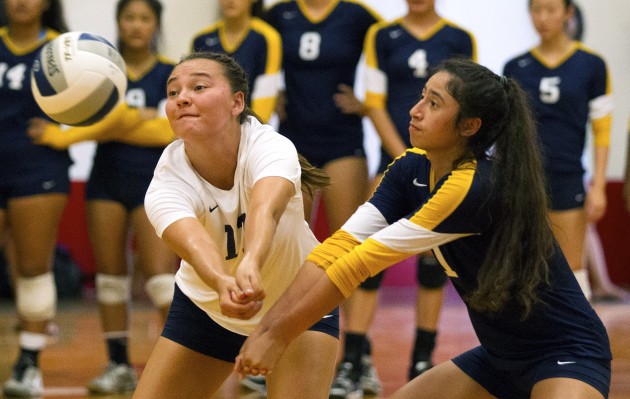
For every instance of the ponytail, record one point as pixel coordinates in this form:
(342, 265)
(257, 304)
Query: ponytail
(313, 178)
(516, 263)
(517, 260)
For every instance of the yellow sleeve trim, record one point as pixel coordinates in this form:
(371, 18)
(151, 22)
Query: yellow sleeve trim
(333, 248)
(151, 133)
(118, 122)
(368, 259)
(601, 131)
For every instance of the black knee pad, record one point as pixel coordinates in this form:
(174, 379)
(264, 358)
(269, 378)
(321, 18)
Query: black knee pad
(372, 283)
(430, 273)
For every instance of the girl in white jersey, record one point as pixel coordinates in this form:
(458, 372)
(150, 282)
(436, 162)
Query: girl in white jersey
(227, 198)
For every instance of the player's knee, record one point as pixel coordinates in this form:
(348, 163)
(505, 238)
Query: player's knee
(372, 283)
(430, 273)
(160, 289)
(112, 289)
(36, 297)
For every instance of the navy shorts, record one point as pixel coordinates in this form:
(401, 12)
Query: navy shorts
(126, 190)
(566, 191)
(48, 181)
(515, 379)
(320, 160)
(191, 327)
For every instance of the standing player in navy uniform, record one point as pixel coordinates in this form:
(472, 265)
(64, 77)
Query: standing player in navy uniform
(115, 191)
(399, 57)
(254, 44)
(481, 208)
(120, 176)
(322, 44)
(569, 86)
(34, 184)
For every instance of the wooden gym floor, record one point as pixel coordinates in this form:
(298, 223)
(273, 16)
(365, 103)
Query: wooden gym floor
(79, 352)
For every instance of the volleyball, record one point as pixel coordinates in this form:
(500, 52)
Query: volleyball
(78, 78)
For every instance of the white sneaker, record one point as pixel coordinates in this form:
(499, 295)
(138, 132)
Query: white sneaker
(117, 378)
(369, 381)
(256, 383)
(29, 385)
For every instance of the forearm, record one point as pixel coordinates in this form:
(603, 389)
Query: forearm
(310, 297)
(600, 163)
(189, 240)
(626, 186)
(268, 202)
(156, 132)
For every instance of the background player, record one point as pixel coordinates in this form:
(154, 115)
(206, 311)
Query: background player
(254, 44)
(318, 67)
(399, 57)
(120, 176)
(34, 184)
(569, 86)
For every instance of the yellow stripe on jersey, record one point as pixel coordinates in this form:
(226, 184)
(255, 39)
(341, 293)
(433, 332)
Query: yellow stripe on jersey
(447, 199)
(376, 80)
(19, 51)
(368, 260)
(266, 87)
(601, 131)
(334, 247)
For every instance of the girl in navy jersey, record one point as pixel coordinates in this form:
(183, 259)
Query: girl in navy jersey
(34, 184)
(472, 191)
(254, 44)
(120, 176)
(399, 58)
(569, 86)
(322, 42)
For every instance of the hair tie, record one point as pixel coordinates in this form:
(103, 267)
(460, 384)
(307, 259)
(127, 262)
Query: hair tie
(504, 81)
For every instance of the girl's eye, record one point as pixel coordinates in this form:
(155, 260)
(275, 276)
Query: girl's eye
(171, 93)
(199, 87)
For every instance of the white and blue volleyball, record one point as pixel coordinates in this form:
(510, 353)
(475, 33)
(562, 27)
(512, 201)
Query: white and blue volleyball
(78, 78)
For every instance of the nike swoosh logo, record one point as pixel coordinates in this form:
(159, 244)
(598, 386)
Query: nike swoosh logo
(327, 316)
(563, 363)
(212, 209)
(416, 183)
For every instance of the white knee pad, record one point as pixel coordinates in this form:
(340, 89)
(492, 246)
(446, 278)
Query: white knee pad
(160, 289)
(36, 297)
(582, 278)
(112, 289)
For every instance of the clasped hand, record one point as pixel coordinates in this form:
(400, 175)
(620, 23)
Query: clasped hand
(241, 296)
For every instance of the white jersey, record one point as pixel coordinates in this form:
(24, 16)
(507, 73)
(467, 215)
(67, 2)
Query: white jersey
(177, 192)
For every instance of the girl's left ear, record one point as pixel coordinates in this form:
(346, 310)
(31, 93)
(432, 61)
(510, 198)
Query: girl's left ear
(238, 102)
(470, 126)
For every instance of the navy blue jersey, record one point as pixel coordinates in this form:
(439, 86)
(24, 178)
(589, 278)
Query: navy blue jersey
(259, 53)
(18, 155)
(318, 55)
(398, 65)
(410, 213)
(564, 98)
(147, 91)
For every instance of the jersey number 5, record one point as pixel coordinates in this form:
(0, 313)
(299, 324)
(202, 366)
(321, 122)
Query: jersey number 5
(550, 90)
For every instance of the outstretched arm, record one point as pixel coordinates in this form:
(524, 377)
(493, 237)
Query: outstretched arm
(191, 242)
(310, 296)
(268, 202)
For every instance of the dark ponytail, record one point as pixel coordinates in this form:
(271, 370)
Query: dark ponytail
(516, 263)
